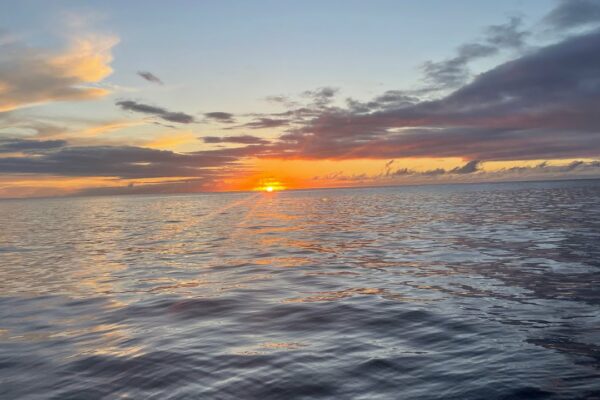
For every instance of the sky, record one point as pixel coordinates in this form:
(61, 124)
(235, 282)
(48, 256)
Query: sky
(113, 97)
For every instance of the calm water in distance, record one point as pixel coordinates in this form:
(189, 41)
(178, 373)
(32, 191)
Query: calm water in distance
(456, 292)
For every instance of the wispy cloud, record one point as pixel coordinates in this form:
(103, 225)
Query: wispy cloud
(220, 116)
(470, 167)
(265, 122)
(322, 96)
(453, 72)
(242, 139)
(469, 172)
(179, 117)
(150, 77)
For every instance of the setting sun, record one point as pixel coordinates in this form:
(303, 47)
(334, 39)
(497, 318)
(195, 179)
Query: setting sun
(269, 185)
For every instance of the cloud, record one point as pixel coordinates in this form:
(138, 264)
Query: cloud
(321, 96)
(31, 76)
(206, 183)
(508, 35)
(540, 105)
(574, 13)
(160, 112)
(262, 123)
(282, 100)
(469, 168)
(220, 116)
(242, 139)
(150, 77)
(544, 167)
(454, 71)
(16, 145)
(126, 162)
(390, 99)
(471, 172)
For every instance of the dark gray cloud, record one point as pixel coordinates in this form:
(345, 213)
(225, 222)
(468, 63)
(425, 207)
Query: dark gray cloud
(574, 13)
(206, 183)
(179, 117)
(315, 103)
(264, 122)
(469, 168)
(150, 77)
(508, 35)
(391, 99)
(118, 161)
(241, 139)
(545, 168)
(541, 105)
(471, 172)
(454, 71)
(412, 172)
(323, 96)
(220, 116)
(16, 145)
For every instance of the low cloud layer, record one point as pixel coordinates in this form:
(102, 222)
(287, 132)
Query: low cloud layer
(242, 139)
(469, 172)
(17, 145)
(125, 162)
(469, 168)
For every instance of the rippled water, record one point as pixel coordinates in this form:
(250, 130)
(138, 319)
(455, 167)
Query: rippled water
(454, 292)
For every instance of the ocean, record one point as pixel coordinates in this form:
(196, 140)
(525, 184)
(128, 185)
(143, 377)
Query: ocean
(418, 292)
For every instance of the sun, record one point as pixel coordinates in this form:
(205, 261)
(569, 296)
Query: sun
(269, 185)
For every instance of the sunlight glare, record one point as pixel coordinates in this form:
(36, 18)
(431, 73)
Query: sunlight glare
(269, 185)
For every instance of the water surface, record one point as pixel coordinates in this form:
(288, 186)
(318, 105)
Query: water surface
(454, 292)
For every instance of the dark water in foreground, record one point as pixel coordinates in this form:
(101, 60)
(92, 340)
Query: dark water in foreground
(456, 292)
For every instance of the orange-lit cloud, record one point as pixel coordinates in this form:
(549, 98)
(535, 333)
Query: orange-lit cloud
(32, 76)
(87, 59)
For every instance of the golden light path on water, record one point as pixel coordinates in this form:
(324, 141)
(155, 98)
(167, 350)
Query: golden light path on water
(303, 294)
